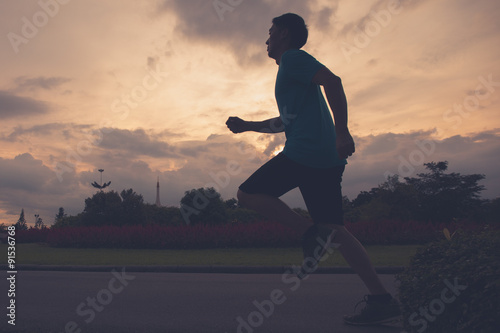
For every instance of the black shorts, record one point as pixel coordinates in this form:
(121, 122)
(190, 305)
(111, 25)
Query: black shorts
(320, 188)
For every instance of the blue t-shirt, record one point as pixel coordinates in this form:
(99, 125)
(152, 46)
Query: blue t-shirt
(309, 128)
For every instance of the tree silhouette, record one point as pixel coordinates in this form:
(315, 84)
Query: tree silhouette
(21, 223)
(60, 215)
(132, 208)
(433, 196)
(443, 197)
(103, 208)
(204, 205)
(39, 222)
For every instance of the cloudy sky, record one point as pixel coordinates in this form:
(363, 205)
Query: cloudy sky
(142, 89)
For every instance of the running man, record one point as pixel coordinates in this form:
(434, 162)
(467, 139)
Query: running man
(313, 160)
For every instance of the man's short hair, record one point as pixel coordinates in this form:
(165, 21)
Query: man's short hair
(296, 28)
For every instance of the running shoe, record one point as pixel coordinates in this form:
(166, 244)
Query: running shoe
(375, 312)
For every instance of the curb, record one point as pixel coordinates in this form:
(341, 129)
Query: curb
(197, 269)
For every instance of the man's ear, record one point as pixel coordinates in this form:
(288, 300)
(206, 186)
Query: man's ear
(284, 33)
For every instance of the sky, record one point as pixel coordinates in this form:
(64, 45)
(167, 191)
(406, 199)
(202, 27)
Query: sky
(142, 89)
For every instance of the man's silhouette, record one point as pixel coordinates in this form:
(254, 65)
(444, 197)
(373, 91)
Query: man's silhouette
(313, 160)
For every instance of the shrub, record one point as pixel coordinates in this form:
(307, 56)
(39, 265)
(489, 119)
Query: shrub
(262, 234)
(453, 286)
(32, 235)
(243, 215)
(241, 232)
(389, 232)
(203, 205)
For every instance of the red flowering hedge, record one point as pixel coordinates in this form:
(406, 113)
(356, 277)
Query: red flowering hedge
(262, 234)
(258, 234)
(32, 235)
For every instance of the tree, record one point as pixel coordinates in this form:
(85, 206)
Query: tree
(133, 211)
(21, 223)
(491, 210)
(433, 196)
(392, 199)
(203, 205)
(163, 215)
(103, 208)
(443, 197)
(39, 222)
(60, 215)
(231, 203)
(111, 208)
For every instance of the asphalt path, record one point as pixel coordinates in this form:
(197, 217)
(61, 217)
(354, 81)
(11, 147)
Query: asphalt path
(150, 302)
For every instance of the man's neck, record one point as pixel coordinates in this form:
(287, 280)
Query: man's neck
(278, 60)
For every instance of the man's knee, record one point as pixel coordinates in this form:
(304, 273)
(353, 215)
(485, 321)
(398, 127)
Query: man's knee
(242, 198)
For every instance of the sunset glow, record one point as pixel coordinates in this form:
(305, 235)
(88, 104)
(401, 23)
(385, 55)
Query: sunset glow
(143, 88)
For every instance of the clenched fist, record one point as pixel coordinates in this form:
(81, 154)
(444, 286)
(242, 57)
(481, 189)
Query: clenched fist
(236, 125)
(345, 144)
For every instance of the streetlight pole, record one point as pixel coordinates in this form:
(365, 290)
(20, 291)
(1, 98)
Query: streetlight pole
(101, 185)
(101, 171)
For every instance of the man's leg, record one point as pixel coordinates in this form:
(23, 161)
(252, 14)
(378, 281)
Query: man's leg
(261, 192)
(323, 198)
(356, 256)
(350, 248)
(380, 306)
(274, 209)
(322, 194)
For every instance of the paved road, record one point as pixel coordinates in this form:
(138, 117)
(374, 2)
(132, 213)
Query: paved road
(107, 302)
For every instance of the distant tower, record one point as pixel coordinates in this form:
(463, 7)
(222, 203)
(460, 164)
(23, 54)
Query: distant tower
(158, 192)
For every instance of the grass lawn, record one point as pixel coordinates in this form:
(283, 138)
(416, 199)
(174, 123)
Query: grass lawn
(41, 254)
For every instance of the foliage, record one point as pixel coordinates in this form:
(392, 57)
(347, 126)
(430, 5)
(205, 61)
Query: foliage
(21, 223)
(231, 203)
(491, 211)
(132, 208)
(243, 215)
(203, 205)
(111, 208)
(434, 197)
(443, 197)
(32, 235)
(39, 222)
(60, 216)
(103, 208)
(263, 234)
(468, 260)
(67, 221)
(129, 208)
(391, 232)
(385, 232)
(162, 215)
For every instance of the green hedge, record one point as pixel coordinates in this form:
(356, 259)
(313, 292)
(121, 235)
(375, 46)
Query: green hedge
(453, 285)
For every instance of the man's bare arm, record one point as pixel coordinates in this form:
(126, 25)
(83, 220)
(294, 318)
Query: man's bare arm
(238, 125)
(338, 103)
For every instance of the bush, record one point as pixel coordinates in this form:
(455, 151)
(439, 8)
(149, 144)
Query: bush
(32, 235)
(392, 232)
(203, 205)
(453, 286)
(262, 234)
(243, 215)
(163, 215)
(242, 229)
